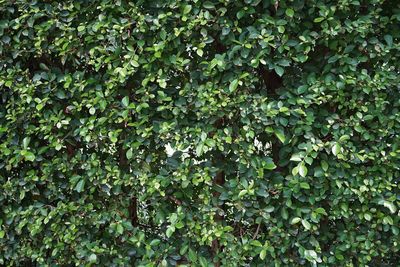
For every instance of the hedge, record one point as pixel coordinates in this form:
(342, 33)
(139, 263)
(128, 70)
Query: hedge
(199, 133)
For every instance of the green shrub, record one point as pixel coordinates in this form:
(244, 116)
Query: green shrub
(199, 133)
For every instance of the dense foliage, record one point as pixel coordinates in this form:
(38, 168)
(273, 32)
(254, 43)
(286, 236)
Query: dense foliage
(199, 133)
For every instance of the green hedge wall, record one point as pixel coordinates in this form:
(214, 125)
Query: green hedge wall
(199, 133)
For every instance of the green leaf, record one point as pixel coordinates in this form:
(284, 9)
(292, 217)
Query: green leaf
(324, 165)
(304, 185)
(390, 206)
(263, 254)
(184, 249)
(155, 242)
(311, 255)
(284, 213)
(296, 157)
(173, 218)
(92, 257)
(162, 83)
(187, 9)
(242, 193)
(295, 220)
(306, 224)
(240, 14)
(25, 142)
(233, 85)
(317, 20)
(368, 216)
(302, 170)
(203, 261)
(256, 243)
(289, 12)
(199, 52)
(80, 185)
(295, 170)
(336, 148)
(208, 5)
(269, 209)
(29, 156)
(120, 228)
(302, 89)
(170, 231)
(192, 255)
(269, 164)
(129, 153)
(39, 106)
(320, 211)
(199, 149)
(280, 134)
(395, 230)
(125, 101)
(279, 70)
(389, 39)
(92, 111)
(388, 220)
(134, 63)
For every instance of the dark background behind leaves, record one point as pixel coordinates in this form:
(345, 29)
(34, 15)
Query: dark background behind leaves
(281, 119)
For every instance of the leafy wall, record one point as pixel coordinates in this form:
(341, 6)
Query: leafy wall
(283, 117)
